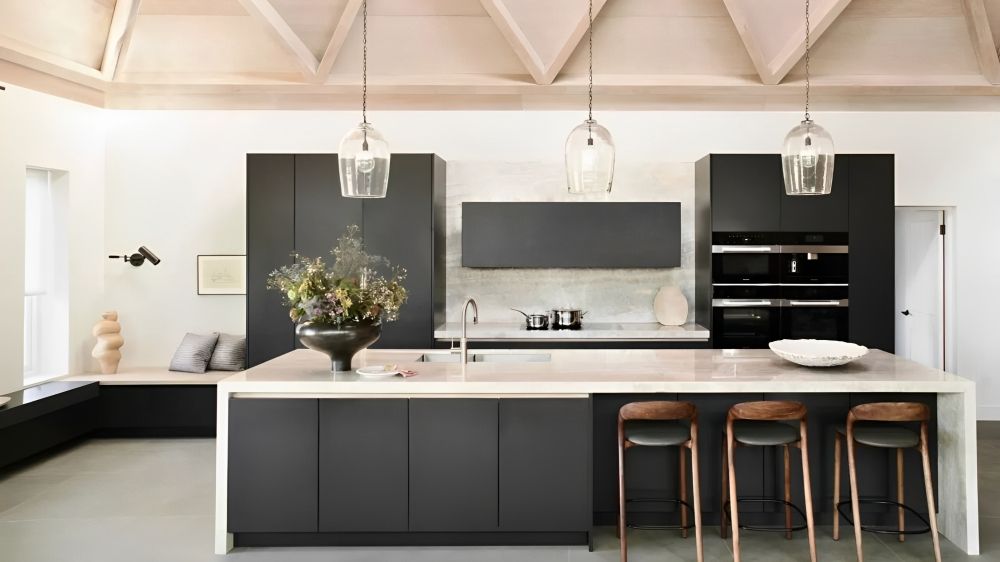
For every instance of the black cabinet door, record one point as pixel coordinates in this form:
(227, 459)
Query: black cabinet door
(746, 192)
(400, 227)
(273, 465)
(363, 482)
(270, 242)
(819, 213)
(545, 465)
(453, 464)
(321, 214)
(872, 263)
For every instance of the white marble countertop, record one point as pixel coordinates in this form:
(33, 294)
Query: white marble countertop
(618, 331)
(584, 371)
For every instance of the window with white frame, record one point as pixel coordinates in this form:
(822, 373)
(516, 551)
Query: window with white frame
(46, 275)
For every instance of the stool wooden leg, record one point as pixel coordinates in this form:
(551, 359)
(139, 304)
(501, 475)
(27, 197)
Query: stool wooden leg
(696, 490)
(788, 493)
(723, 515)
(899, 493)
(855, 508)
(734, 515)
(807, 488)
(929, 490)
(682, 468)
(622, 531)
(836, 485)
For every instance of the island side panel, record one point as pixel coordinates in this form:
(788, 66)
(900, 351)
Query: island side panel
(958, 507)
(223, 538)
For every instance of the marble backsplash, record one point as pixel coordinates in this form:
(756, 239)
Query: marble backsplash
(608, 295)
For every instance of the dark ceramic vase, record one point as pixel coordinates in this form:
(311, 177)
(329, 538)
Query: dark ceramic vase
(340, 343)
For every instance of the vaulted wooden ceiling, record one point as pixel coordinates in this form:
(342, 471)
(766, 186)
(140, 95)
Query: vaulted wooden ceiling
(505, 54)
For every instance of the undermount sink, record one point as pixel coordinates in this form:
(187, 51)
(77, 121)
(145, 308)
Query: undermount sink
(487, 358)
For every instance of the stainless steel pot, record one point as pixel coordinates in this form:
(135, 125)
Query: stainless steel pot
(535, 321)
(566, 318)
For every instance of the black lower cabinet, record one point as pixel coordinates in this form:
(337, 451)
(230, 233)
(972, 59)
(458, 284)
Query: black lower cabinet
(454, 464)
(273, 463)
(158, 410)
(545, 458)
(363, 465)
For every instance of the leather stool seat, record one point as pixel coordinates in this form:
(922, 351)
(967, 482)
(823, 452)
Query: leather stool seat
(887, 435)
(764, 433)
(657, 433)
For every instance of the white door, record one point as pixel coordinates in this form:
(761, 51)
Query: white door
(920, 286)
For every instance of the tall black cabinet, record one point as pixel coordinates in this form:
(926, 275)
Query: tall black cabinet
(294, 206)
(745, 193)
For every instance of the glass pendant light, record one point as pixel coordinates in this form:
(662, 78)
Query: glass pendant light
(807, 159)
(590, 151)
(364, 155)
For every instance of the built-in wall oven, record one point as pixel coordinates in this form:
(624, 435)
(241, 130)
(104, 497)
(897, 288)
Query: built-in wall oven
(814, 312)
(745, 316)
(768, 286)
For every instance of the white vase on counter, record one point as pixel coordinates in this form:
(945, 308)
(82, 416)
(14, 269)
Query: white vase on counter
(670, 306)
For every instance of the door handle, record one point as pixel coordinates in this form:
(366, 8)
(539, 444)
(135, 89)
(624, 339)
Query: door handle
(906, 312)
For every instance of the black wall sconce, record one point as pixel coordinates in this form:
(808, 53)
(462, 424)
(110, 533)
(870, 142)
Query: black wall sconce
(139, 257)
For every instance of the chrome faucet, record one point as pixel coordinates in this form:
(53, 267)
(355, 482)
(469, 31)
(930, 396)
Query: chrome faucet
(464, 342)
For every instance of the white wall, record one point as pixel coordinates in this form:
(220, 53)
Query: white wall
(176, 183)
(48, 132)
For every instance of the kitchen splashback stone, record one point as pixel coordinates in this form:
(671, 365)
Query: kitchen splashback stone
(608, 295)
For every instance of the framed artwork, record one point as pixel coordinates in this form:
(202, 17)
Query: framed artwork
(222, 275)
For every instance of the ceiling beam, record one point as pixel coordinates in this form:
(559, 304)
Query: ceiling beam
(34, 58)
(264, 12)
(344, 24)
(119, 37)
(518, 41)
(982, 39)
(543, 72)
(773, 67)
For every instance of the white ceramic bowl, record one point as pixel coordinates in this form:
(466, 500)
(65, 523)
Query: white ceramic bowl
(818, 353)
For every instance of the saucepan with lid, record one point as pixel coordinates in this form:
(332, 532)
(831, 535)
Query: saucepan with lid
(534, 321)
(566, 318)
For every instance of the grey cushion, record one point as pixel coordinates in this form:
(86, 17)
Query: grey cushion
(765, 433)
(885, 435)
(194, 353)
(657, 433)
(229, 354)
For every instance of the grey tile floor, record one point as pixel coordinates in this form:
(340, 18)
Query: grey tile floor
(138, 500)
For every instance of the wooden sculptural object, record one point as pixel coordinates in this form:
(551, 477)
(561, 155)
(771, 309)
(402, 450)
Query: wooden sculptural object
(109, 340)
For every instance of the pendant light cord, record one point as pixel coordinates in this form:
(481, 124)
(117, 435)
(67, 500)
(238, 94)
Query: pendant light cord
(807, 60)
(590, 56)
(364, 62)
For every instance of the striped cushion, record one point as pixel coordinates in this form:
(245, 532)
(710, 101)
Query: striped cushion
(194, 353)
(230, 353)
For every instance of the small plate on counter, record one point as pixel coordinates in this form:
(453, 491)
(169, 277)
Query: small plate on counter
(818, 353)
(379, 371)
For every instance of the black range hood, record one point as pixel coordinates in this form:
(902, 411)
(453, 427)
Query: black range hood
(571, 235)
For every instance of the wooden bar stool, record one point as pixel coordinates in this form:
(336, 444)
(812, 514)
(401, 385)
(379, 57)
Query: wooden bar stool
(660, 424)
(880, 427)
(762, 424)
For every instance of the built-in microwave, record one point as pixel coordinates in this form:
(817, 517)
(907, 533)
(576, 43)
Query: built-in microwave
(745, 258)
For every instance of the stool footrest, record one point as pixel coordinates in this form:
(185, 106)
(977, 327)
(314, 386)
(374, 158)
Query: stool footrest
(885, 530)
(659, 527)
(768, 528)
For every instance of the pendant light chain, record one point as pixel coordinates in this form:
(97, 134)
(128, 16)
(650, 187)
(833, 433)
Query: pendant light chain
(807, 60)
(364, 61)
(590, 56)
